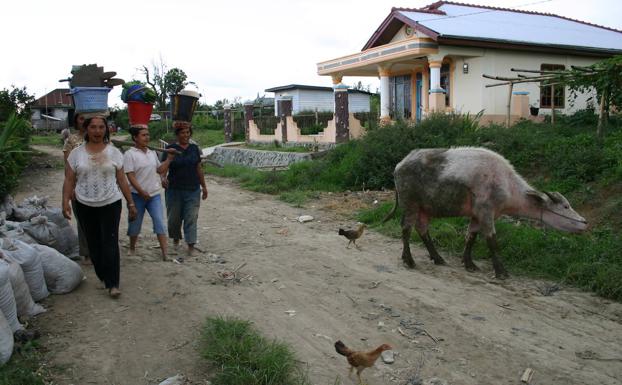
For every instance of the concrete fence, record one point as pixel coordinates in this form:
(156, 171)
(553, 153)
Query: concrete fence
(341, 128)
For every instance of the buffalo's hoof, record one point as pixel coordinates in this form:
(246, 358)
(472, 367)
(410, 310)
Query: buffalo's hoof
(409, 264)
(439, 261)
(471, 267)
(502, 275)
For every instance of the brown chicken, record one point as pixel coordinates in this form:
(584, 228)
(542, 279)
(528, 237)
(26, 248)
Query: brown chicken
(353, 235)
(360, 360)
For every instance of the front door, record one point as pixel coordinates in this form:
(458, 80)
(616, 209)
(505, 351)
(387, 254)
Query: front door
(399, 88)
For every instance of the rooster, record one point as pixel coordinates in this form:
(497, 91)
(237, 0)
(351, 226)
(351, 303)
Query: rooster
(353, 235)
(360, 360)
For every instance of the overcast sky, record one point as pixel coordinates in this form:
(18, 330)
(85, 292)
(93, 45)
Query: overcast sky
(234, 48)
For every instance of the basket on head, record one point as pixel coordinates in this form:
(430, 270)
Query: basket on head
(90, 99)
(183, 105)
(139, 112)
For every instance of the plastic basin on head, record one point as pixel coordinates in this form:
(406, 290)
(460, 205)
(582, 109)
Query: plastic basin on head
(90, 99)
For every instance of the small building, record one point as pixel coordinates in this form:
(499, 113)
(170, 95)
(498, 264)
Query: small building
(433, 58)
(54, 110)
(315, 98)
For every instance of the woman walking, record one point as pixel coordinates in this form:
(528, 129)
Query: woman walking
(185, 188)
(95, 175)
(143, 169)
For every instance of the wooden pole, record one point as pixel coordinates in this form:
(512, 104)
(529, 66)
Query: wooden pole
(552, 104)
(509, 106)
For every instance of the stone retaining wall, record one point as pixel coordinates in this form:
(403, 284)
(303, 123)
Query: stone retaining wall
(256, 158)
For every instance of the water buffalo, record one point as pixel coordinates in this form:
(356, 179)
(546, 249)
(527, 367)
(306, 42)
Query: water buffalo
(476, 183)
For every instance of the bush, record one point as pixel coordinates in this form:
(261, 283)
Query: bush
(14, 155)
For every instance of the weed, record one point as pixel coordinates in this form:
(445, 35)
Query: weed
(241, 356)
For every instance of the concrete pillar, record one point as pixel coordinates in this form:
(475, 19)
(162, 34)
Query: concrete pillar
(385, 97)
(228, 125)
(248, 116)
(520, 104)
(285, 110)
(342, 115)
(437, 94)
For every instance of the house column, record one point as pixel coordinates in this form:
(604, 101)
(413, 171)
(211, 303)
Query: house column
(385, 100)
(342, 115)
(437, 94)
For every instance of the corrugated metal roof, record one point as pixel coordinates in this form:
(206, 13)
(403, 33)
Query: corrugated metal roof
(56, 98)
(485, 23)
(312, 88)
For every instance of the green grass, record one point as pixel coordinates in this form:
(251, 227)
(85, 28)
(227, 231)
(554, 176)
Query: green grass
(24, 367)
(589, 261)
(47, 140)
(298, 198)
(208, 138)
(241, 356)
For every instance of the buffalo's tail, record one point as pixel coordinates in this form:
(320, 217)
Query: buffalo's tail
(393, 210)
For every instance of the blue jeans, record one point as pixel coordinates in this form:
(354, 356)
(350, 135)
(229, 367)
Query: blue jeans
(182, 206)
(156, 212)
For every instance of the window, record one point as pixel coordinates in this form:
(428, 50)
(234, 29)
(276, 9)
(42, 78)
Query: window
(400, 96)
(546, 97)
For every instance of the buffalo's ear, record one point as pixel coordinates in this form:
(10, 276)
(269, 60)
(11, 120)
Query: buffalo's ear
(536, 196)
(555, 196)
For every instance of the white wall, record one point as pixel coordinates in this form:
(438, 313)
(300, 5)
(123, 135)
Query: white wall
(358, 102)
(471, 95)
(310, 100)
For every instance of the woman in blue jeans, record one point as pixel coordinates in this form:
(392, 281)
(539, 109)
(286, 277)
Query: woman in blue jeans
(143, 170)
(185, 187)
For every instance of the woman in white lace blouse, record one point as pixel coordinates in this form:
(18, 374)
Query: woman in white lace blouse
(95, 174)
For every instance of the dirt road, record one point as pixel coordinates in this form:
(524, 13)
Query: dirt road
(443, 322)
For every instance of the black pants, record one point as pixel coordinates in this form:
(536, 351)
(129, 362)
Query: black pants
(101, 227)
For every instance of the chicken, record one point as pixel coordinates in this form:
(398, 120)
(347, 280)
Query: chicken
(360, 360)
(353, 235)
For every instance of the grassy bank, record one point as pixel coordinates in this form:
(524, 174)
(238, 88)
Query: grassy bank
(241, 356)
(24, 367)
(566, 157)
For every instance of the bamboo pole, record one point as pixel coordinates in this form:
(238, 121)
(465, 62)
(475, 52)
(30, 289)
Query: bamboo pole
(120, 143)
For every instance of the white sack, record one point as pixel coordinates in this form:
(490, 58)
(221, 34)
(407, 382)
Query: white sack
(7, 299)
(26, 307)
(71, 247)
(30, 262)
(6, 340)
(62, 275)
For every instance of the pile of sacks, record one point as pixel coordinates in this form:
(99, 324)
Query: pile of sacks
(37, 248)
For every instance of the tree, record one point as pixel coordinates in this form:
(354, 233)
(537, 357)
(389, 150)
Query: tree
(164, 82)
(605, 77)
(17, 101)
